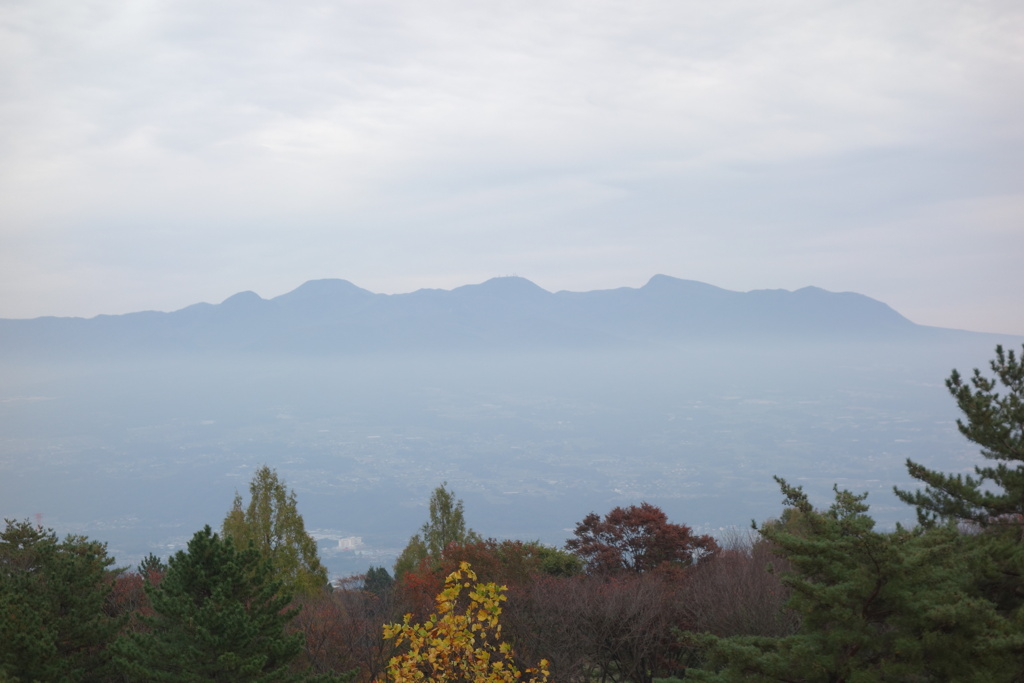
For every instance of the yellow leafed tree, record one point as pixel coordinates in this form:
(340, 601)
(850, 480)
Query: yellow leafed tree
(459, 644)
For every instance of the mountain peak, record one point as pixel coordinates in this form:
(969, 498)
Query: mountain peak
(320, 289)
(242, 299)
(509, 285)
(667, 284)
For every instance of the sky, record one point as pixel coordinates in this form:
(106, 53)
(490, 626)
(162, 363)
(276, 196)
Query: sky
(154, 154)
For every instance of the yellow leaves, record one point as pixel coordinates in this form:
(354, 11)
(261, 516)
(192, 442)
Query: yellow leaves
(457, 644)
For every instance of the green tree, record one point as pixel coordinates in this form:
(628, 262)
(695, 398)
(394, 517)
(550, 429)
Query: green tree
(377, 581)
(414, 553)
(152, 565)
(53, 626)
(272, 523)
(220, 615)
(874, 606)
(993, 409)
(446, 525)
(942, 602)
(991, 503)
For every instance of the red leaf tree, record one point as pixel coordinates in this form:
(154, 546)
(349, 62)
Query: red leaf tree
(636, 539)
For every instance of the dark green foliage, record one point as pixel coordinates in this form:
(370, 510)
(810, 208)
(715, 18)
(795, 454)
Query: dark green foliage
(377, 581)
(220, 616)
(152, 565)
(874, 606)
(991, 503)
(994, 411)
(52, 597)
(943, 602)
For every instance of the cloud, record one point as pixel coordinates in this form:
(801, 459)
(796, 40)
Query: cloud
(206, 147)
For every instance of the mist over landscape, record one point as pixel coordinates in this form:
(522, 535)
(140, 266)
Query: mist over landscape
(349, 342)
(536, 407)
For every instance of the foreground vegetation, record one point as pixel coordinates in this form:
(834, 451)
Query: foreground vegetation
(815, 595)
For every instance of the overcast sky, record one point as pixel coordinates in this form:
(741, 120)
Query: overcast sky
(156, 154)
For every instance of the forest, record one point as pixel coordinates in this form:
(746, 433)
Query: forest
(812, 595)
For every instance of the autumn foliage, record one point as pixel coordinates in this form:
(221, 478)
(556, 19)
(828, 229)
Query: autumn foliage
(461, 641)
(636, 539)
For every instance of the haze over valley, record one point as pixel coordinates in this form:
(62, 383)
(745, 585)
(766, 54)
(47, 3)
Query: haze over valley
(535, 407)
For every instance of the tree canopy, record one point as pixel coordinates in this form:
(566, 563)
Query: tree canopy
(272, 523)
(219, 615)
(446, 525)
(874, 606)
(636, 539)
(53, 625)
(944, 601)
(993, 418)
(462, 641)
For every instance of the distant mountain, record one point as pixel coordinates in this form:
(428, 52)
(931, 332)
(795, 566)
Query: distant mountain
(336, 316)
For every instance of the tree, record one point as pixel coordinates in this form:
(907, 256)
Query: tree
(992, 502)
(152, 565)
(220, 615)
(414, 553)
(509, 563)
(377, 581)
(994, 412)
(446, 525)
(274, 526)
(53, 595)
(461, 641)
(616, 629)
(944, 601)
(734, 593)
(636, 539)
(873, 606)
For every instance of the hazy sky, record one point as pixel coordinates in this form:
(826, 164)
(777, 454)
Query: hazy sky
(155, 154)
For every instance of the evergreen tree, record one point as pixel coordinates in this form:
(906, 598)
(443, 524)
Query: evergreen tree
(53, 626)
(992, 502)
(446, 525)
(377, 581)
(874, 606)
(272, 523)
(152, 566)
(219, 616)
(993, 409)
(933, 604)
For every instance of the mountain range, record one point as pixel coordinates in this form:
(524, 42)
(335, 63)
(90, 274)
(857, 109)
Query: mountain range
(334, 316)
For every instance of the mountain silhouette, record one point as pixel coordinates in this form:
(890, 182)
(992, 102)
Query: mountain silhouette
(335, 316)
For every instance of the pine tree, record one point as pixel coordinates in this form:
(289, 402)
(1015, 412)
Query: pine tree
(377, 581)
(942, 602)
(220, 616)
(52, 597)
(992, 502)
(874, 606)
(994, 412)
(272, 523)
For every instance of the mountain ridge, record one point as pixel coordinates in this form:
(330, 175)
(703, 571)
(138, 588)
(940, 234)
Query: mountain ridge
(504, 313)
